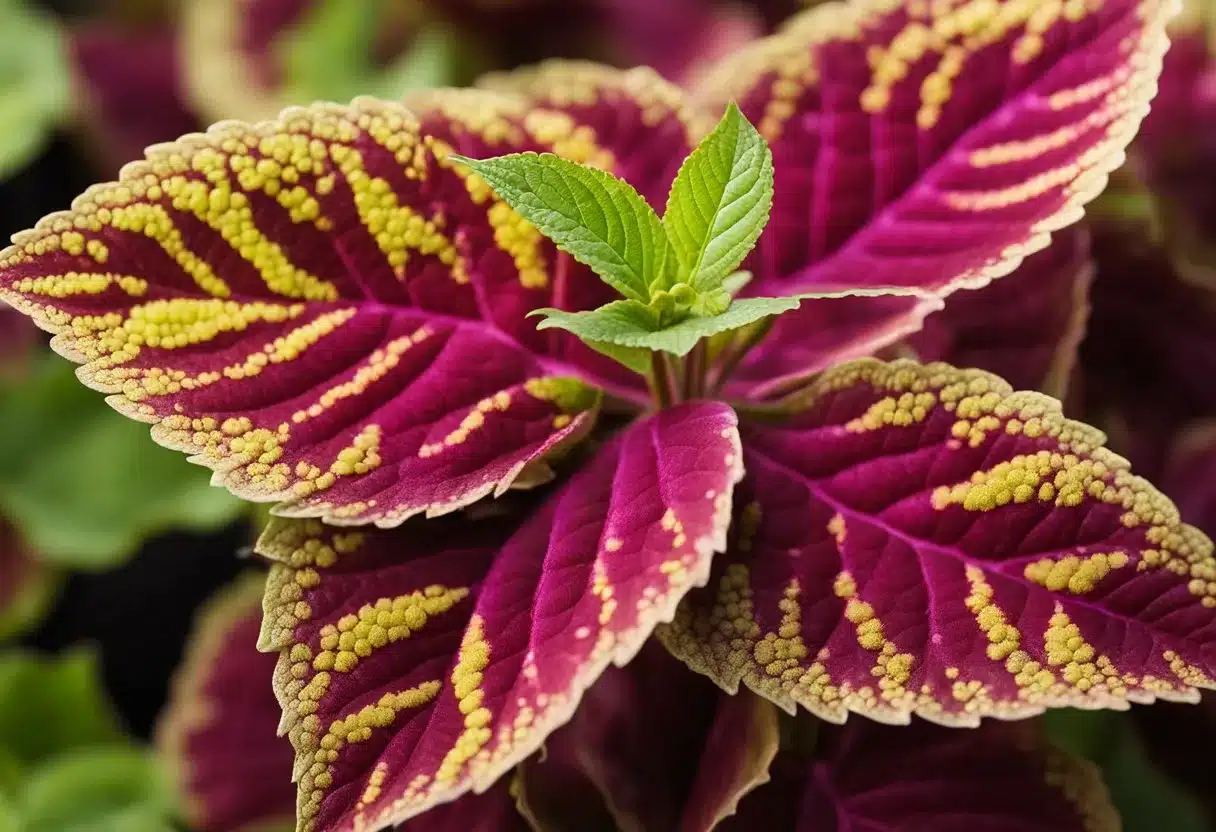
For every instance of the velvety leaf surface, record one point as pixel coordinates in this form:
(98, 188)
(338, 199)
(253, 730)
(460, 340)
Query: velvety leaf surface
(129, 89)
(921, 539)
(311, 308)
(925, 778)
(217, 733)
(651, 747)
(822, 333)
(938, 146)
(1026, 327)
(420, 663)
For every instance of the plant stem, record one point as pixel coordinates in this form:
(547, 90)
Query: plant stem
(661, 379)
(694, 371)
(735, 352)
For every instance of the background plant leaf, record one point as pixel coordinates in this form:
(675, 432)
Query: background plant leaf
(92, 487)
(97, 790)
(720, 201)
(34, 79)
(1144, 797)
(49, 705)
(600, 220)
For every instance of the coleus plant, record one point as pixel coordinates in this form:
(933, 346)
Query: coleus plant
(332, 311)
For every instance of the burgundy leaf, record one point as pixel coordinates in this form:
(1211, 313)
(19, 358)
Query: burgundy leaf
(1026, 327)
(937, 146)
(218, 730)
(419, 663)
(1149, 353)
(923, 540)
(301, 306)
(130, 89)
(652, 748)
(925, 778)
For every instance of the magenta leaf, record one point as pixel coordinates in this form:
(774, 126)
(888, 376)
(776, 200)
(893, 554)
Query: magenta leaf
(1026, 327)
(420, 663)
(217, 732)
(923, 540)
(652, 747)
(925, 778)
(928, 156)
(312, 308)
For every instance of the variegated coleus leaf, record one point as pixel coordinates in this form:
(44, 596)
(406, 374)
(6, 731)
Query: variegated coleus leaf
(217, 733)
(324, 310)
(423, 662)
(653, 747)
(936, 146)
(1027, 327)
(925, 778)
(932, 146)
(917, 539)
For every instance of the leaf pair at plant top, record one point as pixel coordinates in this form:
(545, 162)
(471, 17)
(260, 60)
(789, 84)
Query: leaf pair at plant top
(671, 271)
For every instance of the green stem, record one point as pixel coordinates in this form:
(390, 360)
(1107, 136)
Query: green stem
(661, 379)
(735, 352)
(694, 371)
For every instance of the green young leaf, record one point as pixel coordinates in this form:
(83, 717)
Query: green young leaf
(49, 705)
(34, 82)
(627, 323)
(720, 201)
(1144, 797)
(601, 221)
(98, 790)
(93, 486)
(432, 60)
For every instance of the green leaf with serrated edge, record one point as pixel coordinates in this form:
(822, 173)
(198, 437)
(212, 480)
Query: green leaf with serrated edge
(720, 201)
(34, 82)
(92, 487)
(630, 324)
(1144, 797)
(52, 704)
(634, 358)
(98, 790)
(599, 220)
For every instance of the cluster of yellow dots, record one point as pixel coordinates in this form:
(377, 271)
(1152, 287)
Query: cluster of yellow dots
(520, 239)
(956, 31)
(1074, 574)
(385, 622)
(397, 229)
(475, 420)
(1080, 665)
(79, 283)
(467, 677)
(492, 117)
(1064, 480)
(891, 411)
(1082, 786)
(378, 365)
(355, 728)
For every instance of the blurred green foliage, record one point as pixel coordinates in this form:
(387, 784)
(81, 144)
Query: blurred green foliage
(330, 56)
(65, 765)
(1147, 800)
(85, 485)
(34, 82)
